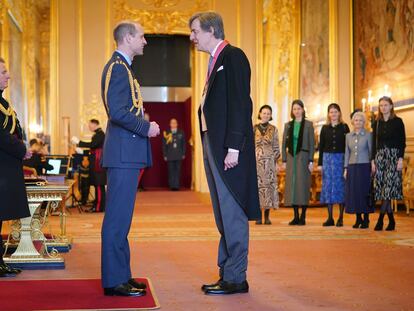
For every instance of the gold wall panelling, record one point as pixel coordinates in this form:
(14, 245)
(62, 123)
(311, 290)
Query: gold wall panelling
(279, 72)
(163, 17)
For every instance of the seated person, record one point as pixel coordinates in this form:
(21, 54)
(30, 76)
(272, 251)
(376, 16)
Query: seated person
(37, 161)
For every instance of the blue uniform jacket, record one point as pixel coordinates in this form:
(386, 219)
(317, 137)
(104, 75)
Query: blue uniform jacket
(126, 142)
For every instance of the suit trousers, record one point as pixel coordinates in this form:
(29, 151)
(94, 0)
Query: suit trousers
(120, 201)
(174, 174)
(231, 221)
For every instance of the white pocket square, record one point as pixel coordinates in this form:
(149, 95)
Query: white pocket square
(220, 68)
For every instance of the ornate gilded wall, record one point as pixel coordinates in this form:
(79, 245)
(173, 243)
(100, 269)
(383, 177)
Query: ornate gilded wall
(24, 45)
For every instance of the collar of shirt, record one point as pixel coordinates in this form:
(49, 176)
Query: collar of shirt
(129, 61)
(362, 132)
(215, 49)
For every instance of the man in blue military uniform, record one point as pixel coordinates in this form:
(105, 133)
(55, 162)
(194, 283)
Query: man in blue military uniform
(173, 149)
(126, 151)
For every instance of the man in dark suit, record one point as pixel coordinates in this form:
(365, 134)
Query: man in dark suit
(173, 149)
(226, 128)
(126, 151)
(97, 175)
(13, 204)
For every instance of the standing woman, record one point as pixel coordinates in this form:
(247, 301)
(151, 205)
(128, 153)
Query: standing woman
(331, 160)
(387, 159)
(297, 156)
(358, 171)
(267, 153)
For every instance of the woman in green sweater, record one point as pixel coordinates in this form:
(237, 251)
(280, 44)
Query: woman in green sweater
(298, 148)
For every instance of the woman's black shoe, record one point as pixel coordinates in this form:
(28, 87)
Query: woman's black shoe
(340, 222)
(380, 223)
(391, 224)
(329, 222)
(294, 222)
(365, 224)
(358, 222)
(258, 222)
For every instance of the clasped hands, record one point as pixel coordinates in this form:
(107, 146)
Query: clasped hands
(154, 129)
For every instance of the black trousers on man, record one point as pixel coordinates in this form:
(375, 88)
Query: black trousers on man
(174, 174)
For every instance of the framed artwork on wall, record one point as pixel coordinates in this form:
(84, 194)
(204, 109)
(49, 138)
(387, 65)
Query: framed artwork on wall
(314, 86)
(383, 52)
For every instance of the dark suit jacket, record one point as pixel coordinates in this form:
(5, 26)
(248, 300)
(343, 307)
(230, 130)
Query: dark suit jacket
(126, 142)
(228, 114)
(13, 202)
(168, 150)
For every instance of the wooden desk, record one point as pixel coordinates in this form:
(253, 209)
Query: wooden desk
(42, 200)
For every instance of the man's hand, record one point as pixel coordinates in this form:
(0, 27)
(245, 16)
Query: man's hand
(154, 129)
(310, 167)
(231, 160)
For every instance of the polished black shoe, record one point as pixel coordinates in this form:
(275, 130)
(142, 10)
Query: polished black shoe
(204, 287)
(8, 272)
(226, 288)
(302, 222)
(365, 224)
(294, 222)
(329, 222)
(136, 284)
(124, 290)
(259, 222)
(267, 222)
(340, 222)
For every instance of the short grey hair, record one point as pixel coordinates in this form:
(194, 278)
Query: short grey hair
(209, 20)
(359, 114)
(124, 28)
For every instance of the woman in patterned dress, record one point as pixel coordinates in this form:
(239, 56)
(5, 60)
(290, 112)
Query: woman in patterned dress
(331, 162)
(387, 159)
(267, 153)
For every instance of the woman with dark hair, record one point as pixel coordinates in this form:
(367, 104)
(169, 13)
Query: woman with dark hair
(357, 172)
(267, 153)
(387, 159)
(297, 156)
(331, 162)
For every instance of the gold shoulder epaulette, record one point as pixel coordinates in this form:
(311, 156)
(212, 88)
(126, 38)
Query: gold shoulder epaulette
(136, 96)
(9, 113)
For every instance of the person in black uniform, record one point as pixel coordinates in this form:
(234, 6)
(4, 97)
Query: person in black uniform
(97, 175)
(37, 160)
(173, 148)
(13, 204)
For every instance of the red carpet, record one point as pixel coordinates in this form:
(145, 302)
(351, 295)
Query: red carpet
(70, 295)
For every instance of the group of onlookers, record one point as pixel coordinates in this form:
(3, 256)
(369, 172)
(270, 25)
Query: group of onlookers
(358, 167)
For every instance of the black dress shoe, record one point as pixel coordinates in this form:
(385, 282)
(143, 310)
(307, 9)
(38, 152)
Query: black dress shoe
(329, 222)
(226, 288)
(124, 290)
(7, 272)
(208, 286)
(136, 284)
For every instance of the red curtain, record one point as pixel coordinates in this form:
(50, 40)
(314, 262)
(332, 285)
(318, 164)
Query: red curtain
(162, 113)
